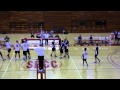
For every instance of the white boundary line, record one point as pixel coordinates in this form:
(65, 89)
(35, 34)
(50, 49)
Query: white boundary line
(75, 67)
(74, 64)
(9, 63)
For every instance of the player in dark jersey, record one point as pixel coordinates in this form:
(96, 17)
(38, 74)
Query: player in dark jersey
(28, 50)
(96, 54)
(66, 45)
(53, 48)
(61, 49)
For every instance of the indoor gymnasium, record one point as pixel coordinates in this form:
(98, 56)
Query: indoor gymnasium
(59, 44)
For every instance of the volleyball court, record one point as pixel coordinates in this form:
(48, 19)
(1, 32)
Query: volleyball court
(33, 43)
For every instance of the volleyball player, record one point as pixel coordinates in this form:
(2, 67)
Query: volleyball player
(8, 47)
(53, 49)
(28, 50)
(24, 47)
(66, 45)
(17, 49)
(96, 54)
(61, 49)
(84, 56)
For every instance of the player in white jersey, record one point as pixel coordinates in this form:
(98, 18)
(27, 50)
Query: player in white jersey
(84, 56)
(17, 49)
(8, 47)
(24, 47)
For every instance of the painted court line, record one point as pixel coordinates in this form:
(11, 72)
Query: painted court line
(75, 66)
(9, 63)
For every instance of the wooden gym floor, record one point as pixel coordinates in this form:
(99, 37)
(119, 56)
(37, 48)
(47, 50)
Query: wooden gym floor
(66, 68)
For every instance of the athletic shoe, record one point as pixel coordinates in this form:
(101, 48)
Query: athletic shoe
(64, 56)
(29, 57)
(41, 70)
(4, 59)
(68, 56)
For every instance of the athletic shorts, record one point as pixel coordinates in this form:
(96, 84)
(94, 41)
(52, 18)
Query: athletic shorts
(9, 50)
(61, 50)
(25, 53)
(53, 49)
(96, 55)
(84, 59)
(17, 52)
(66, 50)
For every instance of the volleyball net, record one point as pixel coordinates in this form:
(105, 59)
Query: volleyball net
(33, 43)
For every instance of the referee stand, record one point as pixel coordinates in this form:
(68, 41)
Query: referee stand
(41, 75)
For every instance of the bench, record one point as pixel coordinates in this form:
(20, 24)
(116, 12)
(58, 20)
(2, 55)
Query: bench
(85, 40)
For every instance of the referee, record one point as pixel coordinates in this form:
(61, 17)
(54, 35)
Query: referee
(40, 52)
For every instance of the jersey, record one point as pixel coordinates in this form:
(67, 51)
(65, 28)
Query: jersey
(24, 46)
(8, 45)
(85, 54)
(53, 44)
(17, 46)
(97, 50)
(62, 46)
(66, 43)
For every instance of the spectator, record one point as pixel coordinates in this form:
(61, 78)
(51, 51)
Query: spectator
(80, 40)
